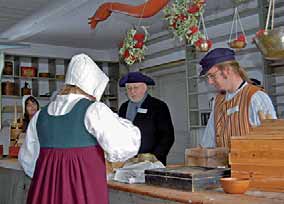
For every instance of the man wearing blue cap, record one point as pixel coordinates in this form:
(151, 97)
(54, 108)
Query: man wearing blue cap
(150, 114)
(239, 105)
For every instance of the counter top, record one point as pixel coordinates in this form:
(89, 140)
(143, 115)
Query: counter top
(10, 163)
(206, 197)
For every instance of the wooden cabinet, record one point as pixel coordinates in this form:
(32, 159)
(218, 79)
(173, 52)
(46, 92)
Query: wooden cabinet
(43, 75)
(38, 76)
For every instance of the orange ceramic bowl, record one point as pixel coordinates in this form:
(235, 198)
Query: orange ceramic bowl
(235, 185)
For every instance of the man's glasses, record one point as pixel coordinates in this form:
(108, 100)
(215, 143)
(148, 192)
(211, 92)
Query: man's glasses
(211, 76)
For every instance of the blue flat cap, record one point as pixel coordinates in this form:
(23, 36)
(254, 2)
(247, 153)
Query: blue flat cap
(135, 77)
(216, 56)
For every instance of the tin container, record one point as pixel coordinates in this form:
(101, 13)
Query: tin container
(28, 71)
(191, 178)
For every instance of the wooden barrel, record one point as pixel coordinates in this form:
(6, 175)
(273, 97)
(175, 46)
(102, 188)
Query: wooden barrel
(8, 88)
(8, 68)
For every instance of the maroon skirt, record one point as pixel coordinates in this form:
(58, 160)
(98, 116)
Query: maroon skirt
(69, 176)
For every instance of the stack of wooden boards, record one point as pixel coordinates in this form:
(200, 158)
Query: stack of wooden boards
(260, 156)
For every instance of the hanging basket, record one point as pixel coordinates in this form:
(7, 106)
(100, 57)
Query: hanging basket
(239, 41)
(204, 46)
(237, 44)
(271, 43)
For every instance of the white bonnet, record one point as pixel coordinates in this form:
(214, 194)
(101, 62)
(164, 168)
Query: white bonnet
(85, 74)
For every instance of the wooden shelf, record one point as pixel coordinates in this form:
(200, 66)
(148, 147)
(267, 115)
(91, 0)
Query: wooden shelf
(31, 78)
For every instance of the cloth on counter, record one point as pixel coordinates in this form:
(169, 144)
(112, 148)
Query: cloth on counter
(134, 172)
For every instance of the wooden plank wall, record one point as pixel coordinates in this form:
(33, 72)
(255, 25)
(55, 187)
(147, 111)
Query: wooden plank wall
(164, 49)
(275, 69)
(218, 27)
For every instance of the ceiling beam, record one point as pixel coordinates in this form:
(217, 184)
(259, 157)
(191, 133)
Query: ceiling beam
(41, 20)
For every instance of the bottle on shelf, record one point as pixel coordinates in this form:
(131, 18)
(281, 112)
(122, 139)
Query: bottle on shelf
(26, 90)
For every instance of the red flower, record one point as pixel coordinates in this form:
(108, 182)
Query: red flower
(126, 54)
(241, 38)
(193, 9)
(139, 37)
(210, 43)
(174, 25)
(139, 44)
(260, 32)
(198, 42)
(193, 29)
(182, 17)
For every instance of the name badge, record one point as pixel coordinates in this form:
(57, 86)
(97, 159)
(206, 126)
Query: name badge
(233, 110)
(142, 110)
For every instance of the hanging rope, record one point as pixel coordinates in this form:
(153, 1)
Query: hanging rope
(236, 21)
(140, 19)
(239, 21)
(203, 26)
(270, 14)
(139, 23)
(232, 27)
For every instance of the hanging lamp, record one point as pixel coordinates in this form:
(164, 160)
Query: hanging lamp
(237, 40)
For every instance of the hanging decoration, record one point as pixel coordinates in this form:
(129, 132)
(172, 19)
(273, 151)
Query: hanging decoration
(146, 10)
(239, 40)
(203, 44)
(270, 41)
(183, 19)
(133, 47)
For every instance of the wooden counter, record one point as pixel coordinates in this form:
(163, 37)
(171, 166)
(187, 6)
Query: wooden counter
(14, 187)
(206, 197)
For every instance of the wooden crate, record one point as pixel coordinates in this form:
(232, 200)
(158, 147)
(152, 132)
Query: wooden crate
(260, 156)
(207, 157)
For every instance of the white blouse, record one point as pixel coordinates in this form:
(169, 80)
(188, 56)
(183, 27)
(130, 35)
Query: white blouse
(118, 137)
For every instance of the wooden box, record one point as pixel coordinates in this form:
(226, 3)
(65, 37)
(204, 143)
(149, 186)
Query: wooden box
(208, 157)
(260, 156)
(186, 178)
(28, 71)
(14, 151)
(8, 68)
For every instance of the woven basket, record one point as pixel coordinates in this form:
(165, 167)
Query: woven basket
(271, 44)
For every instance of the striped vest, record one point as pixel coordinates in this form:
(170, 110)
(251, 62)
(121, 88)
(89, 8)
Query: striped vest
(232, 117)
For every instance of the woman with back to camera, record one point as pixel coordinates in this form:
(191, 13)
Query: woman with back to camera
(66, 140)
